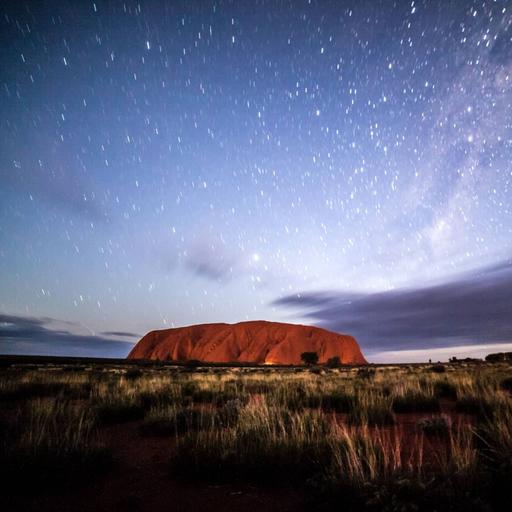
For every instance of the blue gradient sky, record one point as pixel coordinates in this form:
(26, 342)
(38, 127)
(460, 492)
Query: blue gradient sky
(171, 163)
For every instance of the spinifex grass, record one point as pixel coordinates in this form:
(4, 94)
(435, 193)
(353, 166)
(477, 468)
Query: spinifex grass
(371, 408)
(415, 402)
(340, 431)
(178, 420)
(362, 455)
(51, 442)
(265, 443)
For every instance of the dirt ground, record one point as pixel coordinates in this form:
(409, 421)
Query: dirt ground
(140, 479)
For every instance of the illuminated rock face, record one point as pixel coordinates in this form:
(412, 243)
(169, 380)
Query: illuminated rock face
(247, 342)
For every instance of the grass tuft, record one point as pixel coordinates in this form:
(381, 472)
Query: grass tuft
(415, 402)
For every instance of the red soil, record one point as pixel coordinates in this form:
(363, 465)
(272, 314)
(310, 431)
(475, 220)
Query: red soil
(140, 481)
(257, 342)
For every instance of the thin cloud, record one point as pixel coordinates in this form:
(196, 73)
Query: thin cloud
(57, 178)
(211, 261)
(122, 334)
(32, 335)
(472, 309)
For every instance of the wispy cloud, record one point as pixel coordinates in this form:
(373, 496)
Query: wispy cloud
(210, 260)
(40, 335)
(58, 179)
(472, 309)
(122, 334)
(437, 354)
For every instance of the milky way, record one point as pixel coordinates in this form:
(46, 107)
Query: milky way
(169, 163)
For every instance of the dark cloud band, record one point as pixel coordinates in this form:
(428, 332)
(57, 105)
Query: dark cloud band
(475, 308)
(31, 335)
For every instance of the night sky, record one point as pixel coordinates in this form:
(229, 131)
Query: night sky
(343, 164)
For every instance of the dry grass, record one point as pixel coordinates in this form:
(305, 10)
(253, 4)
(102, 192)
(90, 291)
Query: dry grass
(48, 442)
(338, 431)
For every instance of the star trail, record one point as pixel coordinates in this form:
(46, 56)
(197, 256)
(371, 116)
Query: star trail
(171, 163)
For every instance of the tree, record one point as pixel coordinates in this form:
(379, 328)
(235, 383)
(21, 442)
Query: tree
(309, 358)
(499, 357)
(192, 363)
(333, 362)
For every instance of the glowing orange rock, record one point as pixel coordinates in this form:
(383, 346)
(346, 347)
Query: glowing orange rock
(257, 342)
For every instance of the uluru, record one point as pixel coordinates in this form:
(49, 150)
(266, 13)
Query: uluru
(257, 342)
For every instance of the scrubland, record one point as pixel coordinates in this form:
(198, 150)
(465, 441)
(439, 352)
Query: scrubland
(391, 438)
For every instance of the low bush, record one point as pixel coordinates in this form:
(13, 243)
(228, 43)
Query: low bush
(476, 405)
(333, 362)
(258, 387)
(435, 426)
(162, 397)
(179, 421)
(506, 384)
(373, 413)
(133, 374)
(415, 402)
(366, 373)
(120, 410)
(264, 445)
(337, 401)
(205, 396)
(445, 389)
(229, 413)
(157, 427)
(274, 426)
(218, 398)
(51, 443)
(11, 391)
(189, 388)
